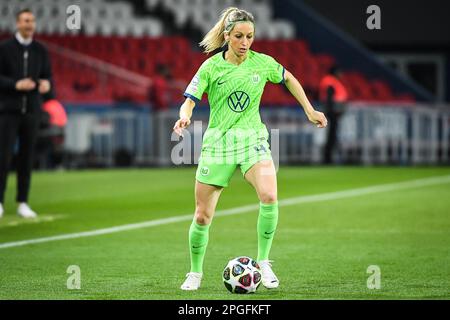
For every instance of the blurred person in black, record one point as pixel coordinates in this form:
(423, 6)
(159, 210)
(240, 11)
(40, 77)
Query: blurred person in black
(25, 75)
(50, 143)
(332, 95)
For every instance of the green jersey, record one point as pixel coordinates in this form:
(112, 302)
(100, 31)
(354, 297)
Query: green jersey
(234, 94)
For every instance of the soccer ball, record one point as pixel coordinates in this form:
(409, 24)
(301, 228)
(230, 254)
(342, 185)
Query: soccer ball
(242, 275)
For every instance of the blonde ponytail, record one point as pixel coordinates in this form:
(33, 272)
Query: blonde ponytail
(215, 38)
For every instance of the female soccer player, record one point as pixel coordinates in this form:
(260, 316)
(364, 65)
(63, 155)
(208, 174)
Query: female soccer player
(234, 80)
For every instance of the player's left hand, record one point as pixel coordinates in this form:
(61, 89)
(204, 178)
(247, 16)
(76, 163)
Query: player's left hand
(44, 86)
(318, 118)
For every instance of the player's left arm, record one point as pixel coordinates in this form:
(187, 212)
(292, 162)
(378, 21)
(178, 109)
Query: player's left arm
(299, 94)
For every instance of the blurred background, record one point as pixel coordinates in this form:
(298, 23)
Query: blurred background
(121, 78)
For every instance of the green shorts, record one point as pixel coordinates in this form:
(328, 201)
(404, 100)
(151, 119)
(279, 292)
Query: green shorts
(218, 171)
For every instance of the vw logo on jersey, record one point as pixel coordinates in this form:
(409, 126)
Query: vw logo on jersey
(238, 101)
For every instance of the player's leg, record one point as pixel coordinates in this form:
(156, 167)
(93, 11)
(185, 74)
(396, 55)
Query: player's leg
(8, 134)
(28, 131)
(206, 198)
(262, 176)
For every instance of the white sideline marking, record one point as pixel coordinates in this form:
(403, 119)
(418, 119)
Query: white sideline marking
(286, 202)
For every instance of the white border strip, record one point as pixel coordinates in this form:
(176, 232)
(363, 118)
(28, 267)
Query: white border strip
(420, 183)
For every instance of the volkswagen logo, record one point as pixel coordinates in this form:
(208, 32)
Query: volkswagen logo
(238, 101)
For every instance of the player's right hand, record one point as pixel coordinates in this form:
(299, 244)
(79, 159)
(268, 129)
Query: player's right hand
(26, 84)
(181, 124)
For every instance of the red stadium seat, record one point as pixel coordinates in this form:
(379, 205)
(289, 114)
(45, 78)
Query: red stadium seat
(141, 55)
(405, 97)
(381, 91)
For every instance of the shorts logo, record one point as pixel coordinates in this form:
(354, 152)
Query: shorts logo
(204, 171)
(238, 101)
(261, 149)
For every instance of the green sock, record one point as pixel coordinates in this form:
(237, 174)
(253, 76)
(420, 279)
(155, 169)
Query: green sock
(198, 240)
(267, 224)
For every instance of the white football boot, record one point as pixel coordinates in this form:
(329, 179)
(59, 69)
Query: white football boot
(25, 211)
(192, 282)
(269, 279)
(1, 210)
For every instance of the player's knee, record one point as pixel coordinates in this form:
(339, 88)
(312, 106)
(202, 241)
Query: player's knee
(202, 217)
(268, 197)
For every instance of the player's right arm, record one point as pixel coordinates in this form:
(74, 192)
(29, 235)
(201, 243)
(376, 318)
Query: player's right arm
(185, 116)
(193, 94)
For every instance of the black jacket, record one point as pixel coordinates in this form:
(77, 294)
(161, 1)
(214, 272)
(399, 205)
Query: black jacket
(15, 66)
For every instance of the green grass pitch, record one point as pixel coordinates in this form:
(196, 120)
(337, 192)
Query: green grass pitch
(322, 249)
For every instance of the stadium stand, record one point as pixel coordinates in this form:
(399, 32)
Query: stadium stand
(117, 40)
(204, 15)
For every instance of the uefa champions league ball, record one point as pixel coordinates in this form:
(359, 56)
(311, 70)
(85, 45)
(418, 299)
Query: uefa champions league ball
(242, 275)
